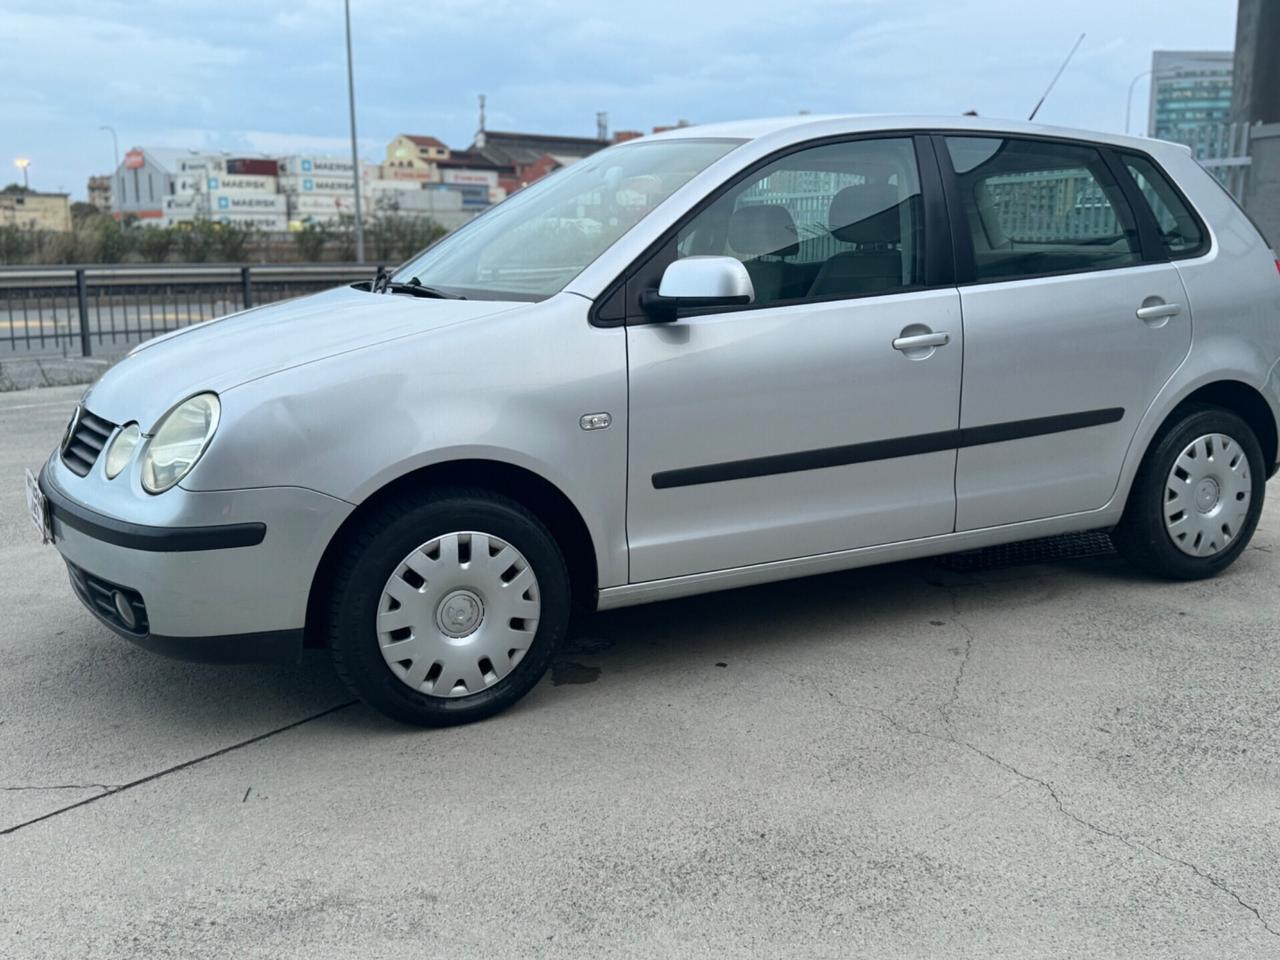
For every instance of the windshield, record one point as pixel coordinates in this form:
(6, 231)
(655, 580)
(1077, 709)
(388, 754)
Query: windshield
(532, 244)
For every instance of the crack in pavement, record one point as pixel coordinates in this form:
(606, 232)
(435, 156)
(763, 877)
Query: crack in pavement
(1048, 787)
(112, 791)
(66, 786)
(946, 709)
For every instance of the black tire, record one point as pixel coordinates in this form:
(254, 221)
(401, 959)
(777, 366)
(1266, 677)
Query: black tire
(1142, 537)
(375, 551)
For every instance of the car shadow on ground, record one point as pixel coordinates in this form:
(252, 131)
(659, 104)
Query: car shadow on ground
(867, 602)
(859, 605)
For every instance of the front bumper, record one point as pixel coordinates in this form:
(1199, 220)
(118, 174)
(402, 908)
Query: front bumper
(196, 589)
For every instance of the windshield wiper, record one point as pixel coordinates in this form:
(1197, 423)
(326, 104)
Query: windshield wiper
(382, 283)
(419, 289)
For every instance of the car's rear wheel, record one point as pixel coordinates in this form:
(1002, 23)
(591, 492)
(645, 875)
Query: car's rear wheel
(448, 610)
(1196, 499)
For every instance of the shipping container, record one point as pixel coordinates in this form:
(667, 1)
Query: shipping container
(208, 164)
(393, 186)
(407, 173)
(253, 166)
(248, 203)
(488, 178)
(312, 166)
(245, 186)
(317, 184)
(271, 224)
(321, 203)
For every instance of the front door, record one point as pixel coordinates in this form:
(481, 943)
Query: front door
(810, 421)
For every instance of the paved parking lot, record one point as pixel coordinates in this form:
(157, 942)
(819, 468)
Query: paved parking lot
(1055, 759)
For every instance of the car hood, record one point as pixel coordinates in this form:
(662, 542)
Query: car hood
(224, 353)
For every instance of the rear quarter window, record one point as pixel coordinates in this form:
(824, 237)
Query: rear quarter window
(1180, 229)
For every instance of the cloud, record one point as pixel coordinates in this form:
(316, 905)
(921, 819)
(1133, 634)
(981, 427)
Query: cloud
(265, 77)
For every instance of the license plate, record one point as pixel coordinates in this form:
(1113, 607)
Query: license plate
(38, 508)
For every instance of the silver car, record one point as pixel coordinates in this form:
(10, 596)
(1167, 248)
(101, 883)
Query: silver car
(711, 358)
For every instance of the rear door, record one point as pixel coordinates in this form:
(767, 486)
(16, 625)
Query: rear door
(1070, 328)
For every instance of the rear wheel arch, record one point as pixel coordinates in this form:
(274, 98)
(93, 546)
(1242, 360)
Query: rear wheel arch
(1244, 401)
(537, 494)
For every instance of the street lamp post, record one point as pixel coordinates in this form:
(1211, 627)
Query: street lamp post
(22, 163)
(355, 153)
(1128, 103)
(115, 144)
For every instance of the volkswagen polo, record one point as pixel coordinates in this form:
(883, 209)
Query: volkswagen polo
(710, 358)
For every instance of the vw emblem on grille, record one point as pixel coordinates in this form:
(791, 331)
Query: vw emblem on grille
(71, 428)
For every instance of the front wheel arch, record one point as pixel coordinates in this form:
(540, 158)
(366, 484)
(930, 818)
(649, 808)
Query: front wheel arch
(537, 494)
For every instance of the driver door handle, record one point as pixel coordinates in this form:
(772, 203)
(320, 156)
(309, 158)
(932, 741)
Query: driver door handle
(921, 341)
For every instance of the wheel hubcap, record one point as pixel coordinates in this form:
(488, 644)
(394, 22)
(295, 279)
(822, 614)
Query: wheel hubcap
(458, 614)
(1207, 495)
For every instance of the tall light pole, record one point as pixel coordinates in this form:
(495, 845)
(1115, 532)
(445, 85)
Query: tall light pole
(355, 153)
(1128, 103)
(115, 144)
(115, 171)
(22, 163)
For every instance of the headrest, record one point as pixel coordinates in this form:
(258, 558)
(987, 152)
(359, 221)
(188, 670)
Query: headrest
(763, 230)
(866, 213)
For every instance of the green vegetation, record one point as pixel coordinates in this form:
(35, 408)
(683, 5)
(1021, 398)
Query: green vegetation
(311, 241)
(96, 237)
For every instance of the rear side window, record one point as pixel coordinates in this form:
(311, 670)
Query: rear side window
(1179, 229)
(1037, 208)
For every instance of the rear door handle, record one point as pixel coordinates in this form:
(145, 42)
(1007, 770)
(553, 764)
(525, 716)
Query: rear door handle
(921, 341)
(1158, 311)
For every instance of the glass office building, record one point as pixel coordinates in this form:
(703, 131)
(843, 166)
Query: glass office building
(1190, 97)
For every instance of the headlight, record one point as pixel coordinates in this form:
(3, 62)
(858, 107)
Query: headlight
(179, 440)
(121, 450)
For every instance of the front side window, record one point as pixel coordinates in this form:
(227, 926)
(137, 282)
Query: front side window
(1179, 230)
(1036, 208)
(531, 245)
(838, 220)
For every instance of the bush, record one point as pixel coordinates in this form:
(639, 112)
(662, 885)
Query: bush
(311, 241)
(394, 239)
(80, 212)
(345, 234)
(232, 241)
(154, 244)
(195, 241)
(78, 246)
(107, 239)
(16, 244)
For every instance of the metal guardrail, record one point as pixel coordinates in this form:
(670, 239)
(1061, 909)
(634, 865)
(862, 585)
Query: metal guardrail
(1223, 150)
(83, 310)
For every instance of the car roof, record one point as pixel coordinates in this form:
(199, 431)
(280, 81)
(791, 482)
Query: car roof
(808, 126)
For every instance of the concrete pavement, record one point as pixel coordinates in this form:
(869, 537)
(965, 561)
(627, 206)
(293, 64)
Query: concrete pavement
(1053, 759)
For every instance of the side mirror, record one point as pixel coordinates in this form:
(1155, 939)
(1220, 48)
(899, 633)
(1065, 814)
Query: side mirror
(698, 282)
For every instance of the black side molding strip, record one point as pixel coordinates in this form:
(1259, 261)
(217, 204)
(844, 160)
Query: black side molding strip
(137, 536)
(884, 449)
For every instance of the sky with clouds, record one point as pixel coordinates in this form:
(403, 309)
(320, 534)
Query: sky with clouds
(261, 75)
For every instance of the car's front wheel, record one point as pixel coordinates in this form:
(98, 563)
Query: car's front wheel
(1196, 499)
(448, 609)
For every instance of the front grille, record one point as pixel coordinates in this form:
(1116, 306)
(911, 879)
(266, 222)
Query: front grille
(88, 437)
(100, 597)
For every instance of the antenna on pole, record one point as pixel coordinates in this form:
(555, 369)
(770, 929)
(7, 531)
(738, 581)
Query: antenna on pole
(1040, 102)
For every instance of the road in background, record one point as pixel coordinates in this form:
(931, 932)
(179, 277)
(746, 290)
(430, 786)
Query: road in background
(1042, 760)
